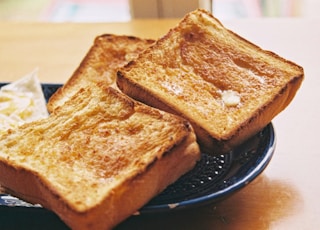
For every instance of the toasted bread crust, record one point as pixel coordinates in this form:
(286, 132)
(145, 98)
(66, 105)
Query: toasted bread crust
(107, 54)
(189, 70)
(98, 151)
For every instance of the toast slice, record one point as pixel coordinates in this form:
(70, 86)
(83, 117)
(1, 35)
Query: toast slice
(227, 87)
(97, 159)
(107, 54)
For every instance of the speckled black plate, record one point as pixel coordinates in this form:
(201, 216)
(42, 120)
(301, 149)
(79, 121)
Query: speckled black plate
(213, 178)
(216, 177)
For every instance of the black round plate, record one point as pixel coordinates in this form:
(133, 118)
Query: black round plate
(216, 177)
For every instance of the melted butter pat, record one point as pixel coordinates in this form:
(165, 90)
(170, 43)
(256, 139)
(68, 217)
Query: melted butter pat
(230, 98)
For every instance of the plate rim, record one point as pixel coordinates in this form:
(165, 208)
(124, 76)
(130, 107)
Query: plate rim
(264, 159)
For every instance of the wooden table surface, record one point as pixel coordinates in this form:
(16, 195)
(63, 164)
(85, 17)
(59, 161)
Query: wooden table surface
(286, 194)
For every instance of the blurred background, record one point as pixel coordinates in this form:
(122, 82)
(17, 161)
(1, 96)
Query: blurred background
(125, 10)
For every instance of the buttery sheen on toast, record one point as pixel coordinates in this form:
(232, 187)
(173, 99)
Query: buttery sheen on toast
(107, 54)
(227, 87)
(97, 159)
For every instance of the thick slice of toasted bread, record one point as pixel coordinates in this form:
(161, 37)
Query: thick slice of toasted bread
(107, 54)
(227, 87)
(97, 159)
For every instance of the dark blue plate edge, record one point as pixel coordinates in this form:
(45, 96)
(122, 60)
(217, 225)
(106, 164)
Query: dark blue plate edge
(262, 162)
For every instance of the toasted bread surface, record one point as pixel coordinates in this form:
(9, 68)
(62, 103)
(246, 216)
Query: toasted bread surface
(227, 87)
(107, 54)
(97, 159)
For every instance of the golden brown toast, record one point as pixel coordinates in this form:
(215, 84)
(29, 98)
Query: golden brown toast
(227, 87)
(107, 54)
(97, 159)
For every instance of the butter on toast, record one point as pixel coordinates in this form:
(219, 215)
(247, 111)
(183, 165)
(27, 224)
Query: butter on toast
(97, 159)
(107, 54)
(227, 87)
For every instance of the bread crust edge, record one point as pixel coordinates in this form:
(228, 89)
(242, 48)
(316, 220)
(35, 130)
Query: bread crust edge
(207, 142)
(134, 192)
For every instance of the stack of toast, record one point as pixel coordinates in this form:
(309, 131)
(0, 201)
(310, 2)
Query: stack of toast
(94, 154)
(107, 149)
